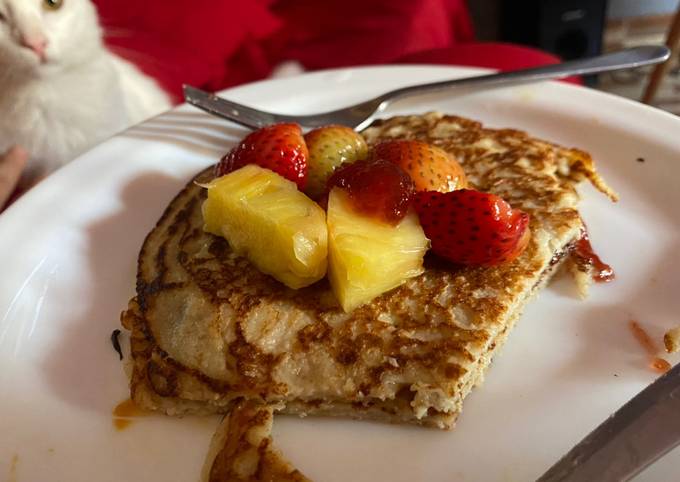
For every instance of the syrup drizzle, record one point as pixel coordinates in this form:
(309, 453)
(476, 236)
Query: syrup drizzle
(659, 365)
(586, 258)
(124, 414)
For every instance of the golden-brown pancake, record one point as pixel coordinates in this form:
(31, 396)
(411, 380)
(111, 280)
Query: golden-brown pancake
(208, 329)
(242, 449)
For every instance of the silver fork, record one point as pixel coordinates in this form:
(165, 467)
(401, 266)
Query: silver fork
(361, 115)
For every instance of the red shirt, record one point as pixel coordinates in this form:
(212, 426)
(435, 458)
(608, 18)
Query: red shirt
(216, 44)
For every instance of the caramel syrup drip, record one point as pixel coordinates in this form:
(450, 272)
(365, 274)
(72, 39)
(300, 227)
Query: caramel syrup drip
(660, 365)
(124, 414)
(657, 364)
(121, 423)
(586, 258)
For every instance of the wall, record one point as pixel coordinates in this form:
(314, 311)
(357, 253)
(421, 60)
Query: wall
(635, 8)
(486, 16)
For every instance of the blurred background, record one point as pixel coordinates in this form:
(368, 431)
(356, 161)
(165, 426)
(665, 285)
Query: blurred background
(220, 44)
(579, 28)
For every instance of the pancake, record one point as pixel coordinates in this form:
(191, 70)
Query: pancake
(242, 449)
(209, 330)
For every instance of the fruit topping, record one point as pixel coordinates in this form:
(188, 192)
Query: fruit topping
(370, 240)
(376, 188)
(431, 168)
(279, 148)
(367, 256)
(267, 220)
(471, 227)
(588, 261)
(329, 147)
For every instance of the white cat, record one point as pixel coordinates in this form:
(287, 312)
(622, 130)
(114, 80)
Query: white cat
(61, 90)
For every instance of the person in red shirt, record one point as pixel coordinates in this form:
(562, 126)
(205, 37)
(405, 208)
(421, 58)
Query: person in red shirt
(215, 45)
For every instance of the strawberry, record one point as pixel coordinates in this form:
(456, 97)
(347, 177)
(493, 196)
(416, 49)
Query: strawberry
(472, 227)
(376, 188)
(329, 147)
(431, 168)
(278, 147)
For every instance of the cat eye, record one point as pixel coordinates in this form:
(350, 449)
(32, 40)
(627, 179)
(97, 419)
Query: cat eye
(52, 4)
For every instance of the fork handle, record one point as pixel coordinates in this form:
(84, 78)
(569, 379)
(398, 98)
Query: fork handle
(623, 59)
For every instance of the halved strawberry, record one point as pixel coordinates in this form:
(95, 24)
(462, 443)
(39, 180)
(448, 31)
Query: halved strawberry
(376, 188)
(471, 227)
(278, 147)
(329, 147)
(431, 168)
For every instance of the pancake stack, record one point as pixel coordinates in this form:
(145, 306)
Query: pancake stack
(209, 331)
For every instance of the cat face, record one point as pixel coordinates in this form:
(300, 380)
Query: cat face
(43, 36)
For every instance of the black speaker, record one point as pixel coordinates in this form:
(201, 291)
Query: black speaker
(570, 29)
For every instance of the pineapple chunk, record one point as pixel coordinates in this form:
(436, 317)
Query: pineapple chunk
(267, 220)
(367, 256)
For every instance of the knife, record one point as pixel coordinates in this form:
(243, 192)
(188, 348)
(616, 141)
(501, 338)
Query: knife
(638, 434)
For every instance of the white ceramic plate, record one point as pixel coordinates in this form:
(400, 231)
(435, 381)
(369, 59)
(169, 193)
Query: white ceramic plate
(69, 249)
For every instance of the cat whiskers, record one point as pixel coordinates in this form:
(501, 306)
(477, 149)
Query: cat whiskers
(115, 32)
(136, 56)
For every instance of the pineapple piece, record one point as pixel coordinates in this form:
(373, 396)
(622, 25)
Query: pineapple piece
(367, 256)
(267, 220)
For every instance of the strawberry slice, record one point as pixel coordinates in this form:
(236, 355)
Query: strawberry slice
(431, 168)
(278, 147)
(376, 188)
(471, 227)
(329, 147)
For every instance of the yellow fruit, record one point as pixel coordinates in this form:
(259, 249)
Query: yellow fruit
(366, 256)
(266, 219)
